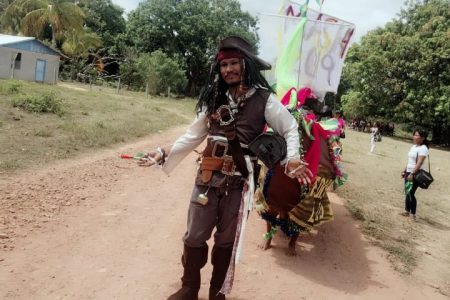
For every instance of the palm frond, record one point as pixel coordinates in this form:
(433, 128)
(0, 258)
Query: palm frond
(79, 43)
(34, 22)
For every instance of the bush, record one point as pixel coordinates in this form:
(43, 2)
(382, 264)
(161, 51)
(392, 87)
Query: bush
(45, 103)
(161, 72)
(130, 76)
(10, 86)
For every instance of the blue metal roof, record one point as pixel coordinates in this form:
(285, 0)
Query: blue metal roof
(26, 43)
(9, 39)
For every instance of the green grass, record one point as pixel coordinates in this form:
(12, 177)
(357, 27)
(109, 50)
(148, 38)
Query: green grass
(47, 102)
(9, 87)
(36, 132)
(375, 196)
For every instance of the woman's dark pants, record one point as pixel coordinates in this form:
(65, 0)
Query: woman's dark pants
(410, 199)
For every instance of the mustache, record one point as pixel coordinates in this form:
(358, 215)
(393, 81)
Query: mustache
(234, 84)
(232, 73)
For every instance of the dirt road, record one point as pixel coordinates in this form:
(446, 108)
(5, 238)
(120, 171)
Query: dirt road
(102, 228)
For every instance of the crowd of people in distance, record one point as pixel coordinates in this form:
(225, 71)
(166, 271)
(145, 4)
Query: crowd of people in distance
(385, 129)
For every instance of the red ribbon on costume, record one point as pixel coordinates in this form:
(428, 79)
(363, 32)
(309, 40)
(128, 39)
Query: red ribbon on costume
(302, 95)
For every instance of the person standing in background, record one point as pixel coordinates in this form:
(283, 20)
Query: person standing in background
(416, 157)
(373, 137)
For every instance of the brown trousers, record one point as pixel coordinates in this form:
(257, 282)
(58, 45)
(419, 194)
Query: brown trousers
(221, 212)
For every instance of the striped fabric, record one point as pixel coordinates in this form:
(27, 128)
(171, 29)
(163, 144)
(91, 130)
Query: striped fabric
(316, 208)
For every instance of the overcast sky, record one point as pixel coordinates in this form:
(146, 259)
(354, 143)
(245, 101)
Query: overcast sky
(366, 15)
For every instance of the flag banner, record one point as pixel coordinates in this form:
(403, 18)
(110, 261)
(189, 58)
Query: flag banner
(313, 48)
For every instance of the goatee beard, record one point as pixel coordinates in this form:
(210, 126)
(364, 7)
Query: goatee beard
(234, 84)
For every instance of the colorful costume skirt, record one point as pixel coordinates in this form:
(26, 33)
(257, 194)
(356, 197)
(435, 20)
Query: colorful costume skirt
(315, 208)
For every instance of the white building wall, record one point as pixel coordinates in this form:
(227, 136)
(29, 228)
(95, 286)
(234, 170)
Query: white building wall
(5, 62)
(27, 69)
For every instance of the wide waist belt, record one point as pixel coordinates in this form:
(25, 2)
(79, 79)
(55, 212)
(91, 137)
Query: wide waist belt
(224, 165)
(221, 148)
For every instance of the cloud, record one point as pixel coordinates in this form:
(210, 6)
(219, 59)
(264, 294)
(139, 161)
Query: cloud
(128, 5)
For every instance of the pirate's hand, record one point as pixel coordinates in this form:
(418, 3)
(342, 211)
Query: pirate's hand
(151, 158)
(296, 168)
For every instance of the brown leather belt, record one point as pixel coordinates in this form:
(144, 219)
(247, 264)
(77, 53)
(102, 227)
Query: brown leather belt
(224, 165)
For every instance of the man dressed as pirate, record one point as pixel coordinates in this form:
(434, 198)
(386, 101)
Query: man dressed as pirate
(233, 109)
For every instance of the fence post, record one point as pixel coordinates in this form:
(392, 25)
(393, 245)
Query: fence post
(118, 86)
(168, 92)
(90, 82)
(146, 90)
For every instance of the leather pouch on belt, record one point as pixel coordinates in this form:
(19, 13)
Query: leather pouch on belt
(208, 165)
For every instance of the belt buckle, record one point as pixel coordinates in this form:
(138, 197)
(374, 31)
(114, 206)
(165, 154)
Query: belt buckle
(228, 164)
(216, 149)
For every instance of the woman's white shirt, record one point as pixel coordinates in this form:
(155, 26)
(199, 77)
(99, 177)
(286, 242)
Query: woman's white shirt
(413, 155)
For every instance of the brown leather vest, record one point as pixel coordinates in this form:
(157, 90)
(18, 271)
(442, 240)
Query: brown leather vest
(250, 120)
(250, 123)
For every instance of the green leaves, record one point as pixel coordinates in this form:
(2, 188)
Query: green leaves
(161, 72)
(36, 15)
(188, 31)
(402, 72)
(104, 18)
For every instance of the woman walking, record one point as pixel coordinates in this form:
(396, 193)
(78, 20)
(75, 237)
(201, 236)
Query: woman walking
(373, 137)
(416, 156)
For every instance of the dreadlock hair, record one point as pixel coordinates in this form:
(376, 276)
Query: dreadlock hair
(213, 93)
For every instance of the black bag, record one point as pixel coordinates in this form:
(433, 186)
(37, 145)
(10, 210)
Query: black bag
(342, 135)
(269, 147)
(424, 178)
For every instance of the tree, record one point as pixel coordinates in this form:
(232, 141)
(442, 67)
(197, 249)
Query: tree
(60, 15)
(129, 72)
(402, 72)
(78, 45)
(10, 16)
(104, 18)
(161, 72)
(4, 4)
(188, 31)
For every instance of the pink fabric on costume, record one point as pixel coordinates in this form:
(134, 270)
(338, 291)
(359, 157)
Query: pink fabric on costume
(287, 97)
(339, 129)
(302, 94)
(312, 156)
(310, 117)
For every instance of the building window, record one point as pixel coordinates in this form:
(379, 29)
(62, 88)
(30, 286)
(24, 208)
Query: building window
(18, 61)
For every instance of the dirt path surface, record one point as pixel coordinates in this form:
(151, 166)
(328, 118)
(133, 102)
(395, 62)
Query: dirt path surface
(102, 228)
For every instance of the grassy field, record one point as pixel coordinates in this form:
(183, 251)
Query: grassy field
(85, 120)
(374, 194)
(82, 119)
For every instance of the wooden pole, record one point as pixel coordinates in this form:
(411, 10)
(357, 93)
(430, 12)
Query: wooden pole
(118, 86)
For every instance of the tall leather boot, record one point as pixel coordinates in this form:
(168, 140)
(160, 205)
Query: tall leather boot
(220, 259)
(193, 259)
